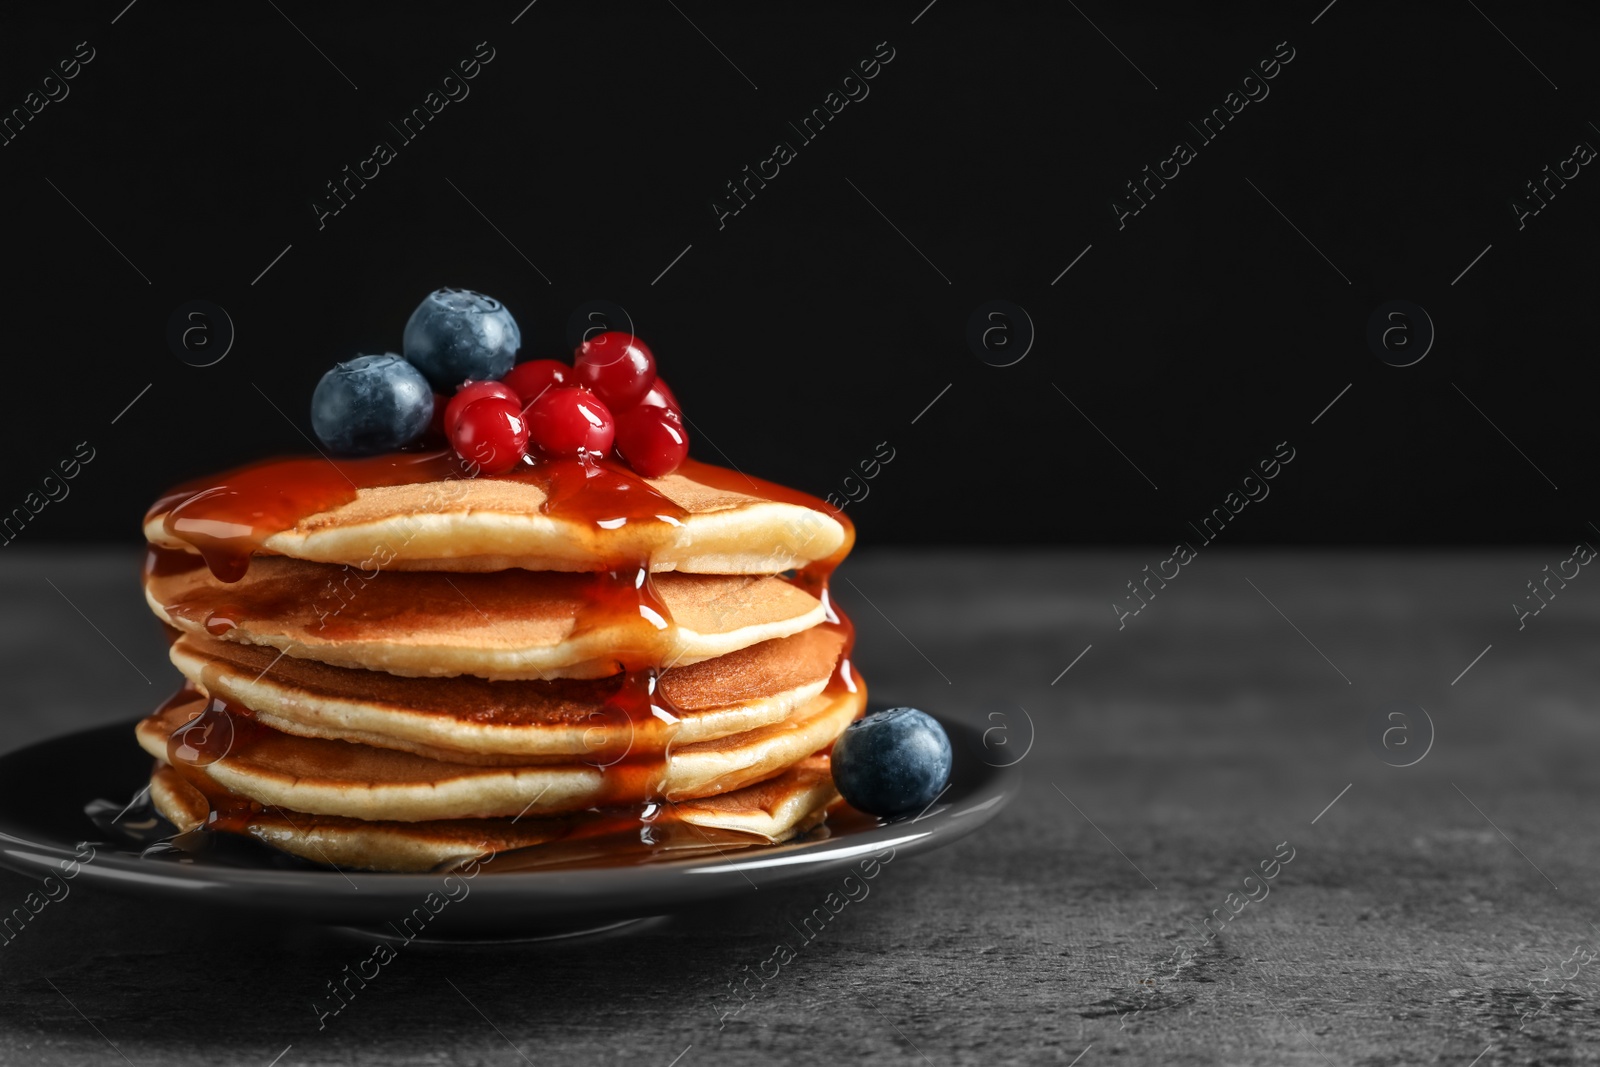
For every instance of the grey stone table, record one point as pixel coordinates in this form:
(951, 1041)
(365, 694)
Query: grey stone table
(1442, 912)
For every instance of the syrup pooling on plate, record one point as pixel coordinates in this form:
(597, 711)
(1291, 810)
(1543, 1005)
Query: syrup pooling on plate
(623, 838)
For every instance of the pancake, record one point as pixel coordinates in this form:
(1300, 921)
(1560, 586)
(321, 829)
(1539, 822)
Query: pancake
(492, 524)
(322, 777)
(765, 813)
(512, 625)
(471, 720)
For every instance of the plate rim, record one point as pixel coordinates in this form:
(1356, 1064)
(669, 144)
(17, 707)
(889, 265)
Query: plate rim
(323, 891)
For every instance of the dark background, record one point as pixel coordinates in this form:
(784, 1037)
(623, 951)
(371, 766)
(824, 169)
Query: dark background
(808, 330)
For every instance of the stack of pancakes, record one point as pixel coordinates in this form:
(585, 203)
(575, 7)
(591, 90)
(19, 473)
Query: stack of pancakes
(419, 675)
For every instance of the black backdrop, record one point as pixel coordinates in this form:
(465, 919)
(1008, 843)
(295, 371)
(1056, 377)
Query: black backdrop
(1177, 352)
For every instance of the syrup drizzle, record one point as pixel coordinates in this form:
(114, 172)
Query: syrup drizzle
(216, 730)
(815, 577)
(628, 834)
(227, 519)
(625, 837)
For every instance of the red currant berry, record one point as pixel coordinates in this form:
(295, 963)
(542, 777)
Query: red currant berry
(469, 392)
(491, 433)
(660, 396)
(535, 376)
(617, 367)
(652, 440)
(568, 419)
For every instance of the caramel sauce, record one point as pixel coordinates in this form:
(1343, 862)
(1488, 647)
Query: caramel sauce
(624, 601)
(630, 837)
(227, 519)
(609, 737)
(600, 492)
(610, 835)
(221, 620)
(216, 730)
(626, 598)
(168, 562)
(814, 578)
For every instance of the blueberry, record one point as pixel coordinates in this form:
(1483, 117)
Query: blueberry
(371, 404)
(892, 762)
(457, 335)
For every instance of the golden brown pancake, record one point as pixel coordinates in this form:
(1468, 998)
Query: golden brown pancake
(472, 720)
(488, 524)
(765, 813)
(323, 777)
(511, 625)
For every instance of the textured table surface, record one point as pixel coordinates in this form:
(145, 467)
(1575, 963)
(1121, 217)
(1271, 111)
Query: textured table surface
(1435, 913)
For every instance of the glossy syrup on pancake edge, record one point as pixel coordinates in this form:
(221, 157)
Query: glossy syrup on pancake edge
(622, 603)
(816, 577)
(813, 578)
(629, 836)
(623, 600)
(215, 730)
(618, 830)
(228, 517)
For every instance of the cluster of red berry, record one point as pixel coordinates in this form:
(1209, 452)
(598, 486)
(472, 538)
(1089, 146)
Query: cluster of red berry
(608, 398)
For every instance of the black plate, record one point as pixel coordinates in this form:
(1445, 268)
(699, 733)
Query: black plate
(45, 788)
